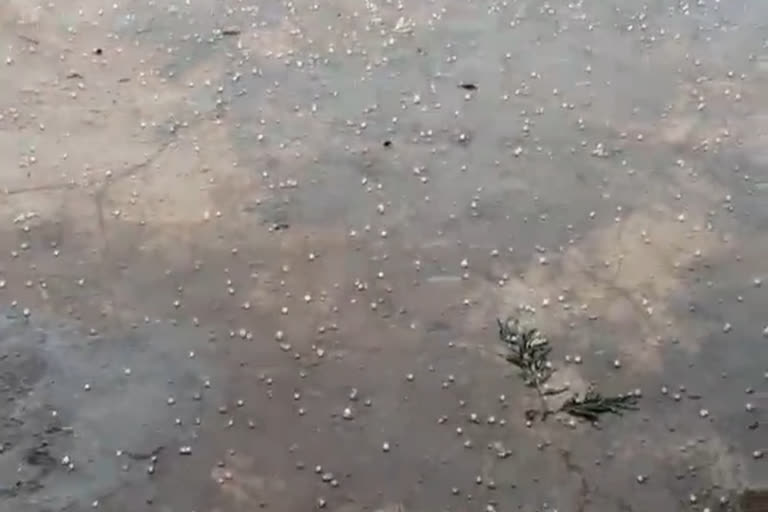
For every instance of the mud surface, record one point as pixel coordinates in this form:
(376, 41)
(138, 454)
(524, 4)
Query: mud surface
(252, 254)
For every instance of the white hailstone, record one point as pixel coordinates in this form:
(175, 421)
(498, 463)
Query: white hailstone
(749, 407)
(641, 479)
(348, 414)
(616, 363)
(464, 263)
(703, 413)
(385, 447)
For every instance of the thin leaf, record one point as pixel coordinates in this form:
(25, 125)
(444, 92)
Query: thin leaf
(593, 405)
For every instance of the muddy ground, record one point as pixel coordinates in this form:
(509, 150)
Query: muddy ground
(252, 254)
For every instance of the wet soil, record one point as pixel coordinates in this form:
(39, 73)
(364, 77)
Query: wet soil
(252, 254)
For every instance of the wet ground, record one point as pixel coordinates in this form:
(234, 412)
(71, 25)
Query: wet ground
(252, 254)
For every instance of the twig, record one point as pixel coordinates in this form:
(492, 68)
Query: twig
(529, 350)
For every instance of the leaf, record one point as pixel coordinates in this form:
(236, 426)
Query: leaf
(528, 350)
(593, 405)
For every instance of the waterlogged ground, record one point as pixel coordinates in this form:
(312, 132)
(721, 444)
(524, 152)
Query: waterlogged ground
(252, 253)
